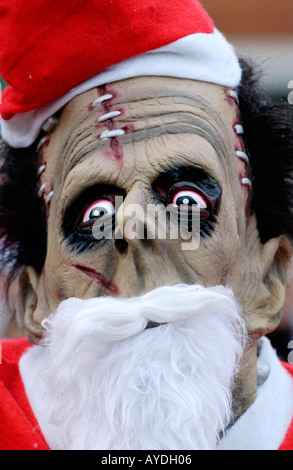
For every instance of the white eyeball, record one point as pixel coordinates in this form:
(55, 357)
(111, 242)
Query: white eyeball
(188, 198)
(98, 209)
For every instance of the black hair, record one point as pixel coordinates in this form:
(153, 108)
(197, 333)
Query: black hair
(23, 231)
(268, 130)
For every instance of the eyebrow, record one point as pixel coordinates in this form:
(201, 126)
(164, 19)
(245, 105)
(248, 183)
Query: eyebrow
(192, 173)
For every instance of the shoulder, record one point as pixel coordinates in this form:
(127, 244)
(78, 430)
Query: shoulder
(21, 428)
(11, 351)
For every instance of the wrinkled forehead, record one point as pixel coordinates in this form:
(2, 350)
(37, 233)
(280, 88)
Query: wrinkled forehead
(108, 118)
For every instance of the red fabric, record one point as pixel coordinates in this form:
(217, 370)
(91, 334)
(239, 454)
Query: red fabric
(48, 47)
(19, 429)
(288, 441)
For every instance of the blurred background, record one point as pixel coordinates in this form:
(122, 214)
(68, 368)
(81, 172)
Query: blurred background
(262, 30)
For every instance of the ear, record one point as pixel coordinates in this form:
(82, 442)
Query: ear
(30, 296)
(267, 273)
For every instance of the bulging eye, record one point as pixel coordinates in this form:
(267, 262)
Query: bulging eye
(98, 209)
(187, 198)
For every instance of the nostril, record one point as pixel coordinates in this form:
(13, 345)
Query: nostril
(121, 245)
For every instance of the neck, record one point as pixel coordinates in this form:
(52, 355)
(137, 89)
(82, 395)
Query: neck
(246, 382)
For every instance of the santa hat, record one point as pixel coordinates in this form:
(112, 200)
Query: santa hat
(51, 51)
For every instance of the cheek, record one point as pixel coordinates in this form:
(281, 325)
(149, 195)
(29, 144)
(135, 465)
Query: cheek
(84, 275)
(218, 259)
(64, 281)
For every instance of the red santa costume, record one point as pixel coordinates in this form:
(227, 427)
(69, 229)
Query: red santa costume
(187, 45)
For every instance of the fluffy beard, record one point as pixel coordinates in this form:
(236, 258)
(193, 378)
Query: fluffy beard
(112, 383)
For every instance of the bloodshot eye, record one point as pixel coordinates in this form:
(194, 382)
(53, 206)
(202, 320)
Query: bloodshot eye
(98, 209)
(188, 198)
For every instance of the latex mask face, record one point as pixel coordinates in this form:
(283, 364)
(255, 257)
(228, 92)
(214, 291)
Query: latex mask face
(147, 141)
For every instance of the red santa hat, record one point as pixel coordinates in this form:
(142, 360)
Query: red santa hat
(51, 51)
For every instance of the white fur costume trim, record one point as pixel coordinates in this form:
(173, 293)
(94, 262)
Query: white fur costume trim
(203, 57)
(29, 364)
(264, 425)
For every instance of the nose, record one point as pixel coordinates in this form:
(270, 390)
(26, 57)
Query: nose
(138, 223)
(147, 257)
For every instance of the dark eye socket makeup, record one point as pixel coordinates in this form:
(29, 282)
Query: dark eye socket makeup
(81, 214)
(179, 186)
(189, 185)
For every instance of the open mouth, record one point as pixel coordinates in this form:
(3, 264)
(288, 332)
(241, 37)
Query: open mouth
(153, 324)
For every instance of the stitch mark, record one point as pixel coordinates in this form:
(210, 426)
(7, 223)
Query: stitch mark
(239, 129)
(49, 197)
(108, 120)
(112, 133)
(100, 100)
(246, 182)
(242, 156)
(110, 115)
(232, 97)
(43, 142)
(41, 190)
(50, 124)
(41, 170)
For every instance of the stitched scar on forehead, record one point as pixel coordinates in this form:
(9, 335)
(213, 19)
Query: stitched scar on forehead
(149, 113)
(150, 117)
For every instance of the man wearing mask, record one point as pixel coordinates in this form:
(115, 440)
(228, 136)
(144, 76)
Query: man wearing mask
(136, 338)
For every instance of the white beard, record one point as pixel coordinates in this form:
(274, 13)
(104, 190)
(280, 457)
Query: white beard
(112, 384)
